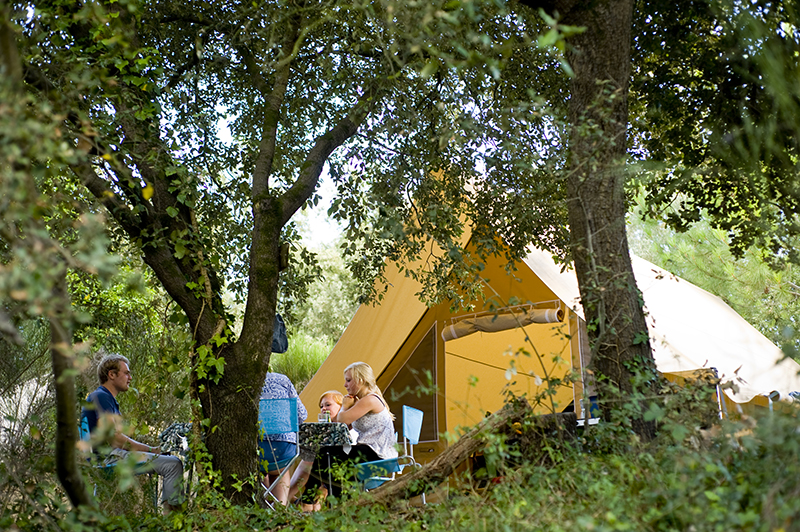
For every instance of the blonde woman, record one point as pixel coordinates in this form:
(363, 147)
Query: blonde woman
(365, 409)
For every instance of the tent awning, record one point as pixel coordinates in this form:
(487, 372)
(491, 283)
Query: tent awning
(501, 322)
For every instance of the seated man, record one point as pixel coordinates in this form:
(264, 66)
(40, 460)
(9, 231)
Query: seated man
(115, 377)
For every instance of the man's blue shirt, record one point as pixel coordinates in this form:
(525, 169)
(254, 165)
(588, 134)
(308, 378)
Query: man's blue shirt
(104, 403)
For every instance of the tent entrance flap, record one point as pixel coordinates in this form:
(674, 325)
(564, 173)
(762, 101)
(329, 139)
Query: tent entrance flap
(518, 317)
(415, 385)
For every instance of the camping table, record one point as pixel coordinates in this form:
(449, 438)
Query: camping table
(313, 436)
(316, 435)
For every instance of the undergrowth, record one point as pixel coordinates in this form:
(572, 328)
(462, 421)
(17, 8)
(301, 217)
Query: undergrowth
(743, 477)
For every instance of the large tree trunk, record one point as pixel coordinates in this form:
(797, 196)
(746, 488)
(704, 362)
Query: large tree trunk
(61, 338)
(231, 407)
(232, 403)
(598, 114)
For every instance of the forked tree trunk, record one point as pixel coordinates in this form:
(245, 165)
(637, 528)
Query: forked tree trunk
(231, 403)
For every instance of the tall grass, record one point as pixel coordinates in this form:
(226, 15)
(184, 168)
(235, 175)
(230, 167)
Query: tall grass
(302, 360)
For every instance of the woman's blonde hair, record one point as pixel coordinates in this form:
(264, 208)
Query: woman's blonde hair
(363, 374)
(333, 394)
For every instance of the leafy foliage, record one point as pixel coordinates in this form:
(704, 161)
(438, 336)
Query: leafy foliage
(305, 355)
(125, 317)
(45, 226)
(744, 475)
(426, 113)
(718, 106)
(141, 90)
(484, 148)
(331, 301)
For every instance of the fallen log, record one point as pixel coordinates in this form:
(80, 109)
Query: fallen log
(441, 467)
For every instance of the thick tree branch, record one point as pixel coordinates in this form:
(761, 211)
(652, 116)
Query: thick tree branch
(156, 253)
(304, 186)
(100, 190)
(166, 268)
(272, 113)
(254, 71)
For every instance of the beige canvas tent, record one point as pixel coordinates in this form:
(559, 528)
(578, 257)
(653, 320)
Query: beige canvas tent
(455, 367)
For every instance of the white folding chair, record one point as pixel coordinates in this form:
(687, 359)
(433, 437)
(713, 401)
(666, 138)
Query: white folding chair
(278, 416)
(373, 474)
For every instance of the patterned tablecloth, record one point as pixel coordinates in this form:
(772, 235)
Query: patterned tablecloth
(315, 435)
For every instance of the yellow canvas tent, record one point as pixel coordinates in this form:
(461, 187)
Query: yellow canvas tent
(455, 367)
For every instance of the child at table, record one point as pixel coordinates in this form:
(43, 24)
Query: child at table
(330, 402)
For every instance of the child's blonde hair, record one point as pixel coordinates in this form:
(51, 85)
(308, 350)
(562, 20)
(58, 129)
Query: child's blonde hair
(363, 374)
(333, 394)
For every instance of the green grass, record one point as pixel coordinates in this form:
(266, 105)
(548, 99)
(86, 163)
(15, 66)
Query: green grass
(737, 476)
(747, 478)
(302, 360)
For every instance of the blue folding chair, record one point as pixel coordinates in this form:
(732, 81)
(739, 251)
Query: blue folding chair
(373, 474)
(83, 430)
(107, 469)
(278, 416)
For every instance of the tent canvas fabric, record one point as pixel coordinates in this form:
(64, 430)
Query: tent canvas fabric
(691, 328)
(456, 380)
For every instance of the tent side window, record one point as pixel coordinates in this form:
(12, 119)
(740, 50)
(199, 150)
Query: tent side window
(415, 385)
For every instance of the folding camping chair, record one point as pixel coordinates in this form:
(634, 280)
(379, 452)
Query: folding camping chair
(373, 474)
(107, 469)
(278, 416)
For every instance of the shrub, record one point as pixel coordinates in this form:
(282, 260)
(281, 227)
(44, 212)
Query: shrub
(302, 360)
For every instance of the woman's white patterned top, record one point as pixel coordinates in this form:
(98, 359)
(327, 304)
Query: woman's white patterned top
(377, 431)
